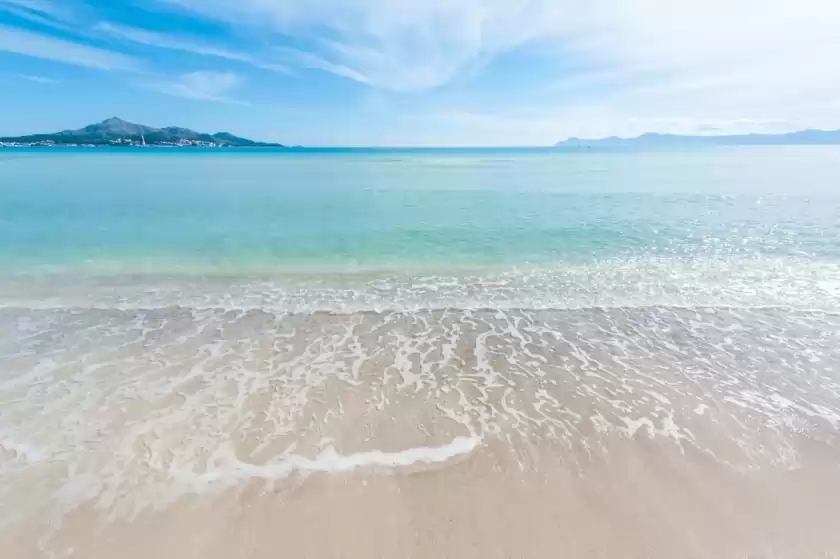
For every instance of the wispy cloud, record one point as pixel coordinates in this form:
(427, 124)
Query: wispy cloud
(205, 86)
(406, 45)
(497, 71)
(308, 60)
(401, 45)
(28, 43)
(46, 7)
(185, 44)
(49, 13)
(38, 79)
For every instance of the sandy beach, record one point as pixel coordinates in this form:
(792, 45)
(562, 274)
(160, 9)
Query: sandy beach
(486, 433)
(646, 500)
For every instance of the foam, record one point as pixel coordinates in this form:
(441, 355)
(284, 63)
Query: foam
(796, 283)
(133, 409)
(330, 460)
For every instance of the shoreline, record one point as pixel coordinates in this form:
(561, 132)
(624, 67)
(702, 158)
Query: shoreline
(645, 499)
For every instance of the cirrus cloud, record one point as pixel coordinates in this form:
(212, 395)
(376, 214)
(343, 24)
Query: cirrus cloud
(409, 45)
(37, 45)
(203, 85)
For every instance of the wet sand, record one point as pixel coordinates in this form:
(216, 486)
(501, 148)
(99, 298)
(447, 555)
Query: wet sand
(640, 432)
(646, 500)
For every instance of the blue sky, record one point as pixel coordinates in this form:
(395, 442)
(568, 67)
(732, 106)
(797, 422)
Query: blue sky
(422, 72)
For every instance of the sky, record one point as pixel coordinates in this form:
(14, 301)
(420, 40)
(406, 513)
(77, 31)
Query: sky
(422, 72)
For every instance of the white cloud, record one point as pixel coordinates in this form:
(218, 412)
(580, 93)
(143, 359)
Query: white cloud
(38, 79)
(606, 66)
(186, 44)
(401, 45)
(646, 59)
(28, 43)
(205, 86)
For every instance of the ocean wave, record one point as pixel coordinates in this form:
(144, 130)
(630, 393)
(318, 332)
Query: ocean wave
(133, 392)
(735, 283)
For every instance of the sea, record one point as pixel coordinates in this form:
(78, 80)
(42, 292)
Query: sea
(420, 352)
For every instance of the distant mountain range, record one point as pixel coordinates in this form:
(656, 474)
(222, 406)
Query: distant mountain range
(117, 132)
(803, 137)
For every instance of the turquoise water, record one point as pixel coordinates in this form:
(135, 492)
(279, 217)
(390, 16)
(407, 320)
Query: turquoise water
(272, 212)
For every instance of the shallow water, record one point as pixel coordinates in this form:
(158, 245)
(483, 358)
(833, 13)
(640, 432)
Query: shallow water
(192, 325)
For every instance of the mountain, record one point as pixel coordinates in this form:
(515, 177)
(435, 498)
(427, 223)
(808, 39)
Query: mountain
(803, 137)
(115, 131)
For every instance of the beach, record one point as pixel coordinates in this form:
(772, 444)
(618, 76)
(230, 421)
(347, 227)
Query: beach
(654, 503)
(445, 354)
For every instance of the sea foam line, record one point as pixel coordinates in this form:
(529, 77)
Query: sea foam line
(330, 461)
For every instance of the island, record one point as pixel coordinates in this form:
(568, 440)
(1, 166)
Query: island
(654, 140)
(120, 133)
